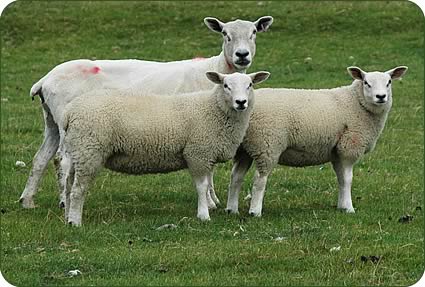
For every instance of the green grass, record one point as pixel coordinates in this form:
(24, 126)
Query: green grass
(118, 244)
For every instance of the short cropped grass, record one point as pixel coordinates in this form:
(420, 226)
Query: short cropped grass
(309, 45)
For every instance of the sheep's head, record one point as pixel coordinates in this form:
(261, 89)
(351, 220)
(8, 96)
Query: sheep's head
(239, 39)
(377, 85)
(237, 89)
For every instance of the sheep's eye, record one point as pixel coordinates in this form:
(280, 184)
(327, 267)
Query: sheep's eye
(367, 84)
(250, 85)
(226, 35)
(389, 83)
(253, 34)
(226, 87)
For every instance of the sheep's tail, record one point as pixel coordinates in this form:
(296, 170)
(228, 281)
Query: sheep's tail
(36, 90)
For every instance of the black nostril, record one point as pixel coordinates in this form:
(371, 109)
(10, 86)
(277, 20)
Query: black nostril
(381, 97)
(242, 54)
(240, 103)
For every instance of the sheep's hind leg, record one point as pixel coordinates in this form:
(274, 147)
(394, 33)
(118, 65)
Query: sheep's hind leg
(69, 181)
(241, 165)
(344, 173)
(210, 202)
(60, 173)
(66, 181)
(85, 168)
(41, 159)
(212, 199)
(258, 190)
(76, 199)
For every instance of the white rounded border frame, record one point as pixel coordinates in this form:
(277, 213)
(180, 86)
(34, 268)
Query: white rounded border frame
(5, 3)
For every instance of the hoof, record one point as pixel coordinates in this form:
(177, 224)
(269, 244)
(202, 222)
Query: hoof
(72, 223)
(204, 217)
(61, 205)
(26, 203)
(231, 211)
(347, 210)
(212, 206)
(350, 210)
(255, 214)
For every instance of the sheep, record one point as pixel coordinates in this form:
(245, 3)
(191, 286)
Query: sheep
(151, 134)
(296, 127)
(71, 79)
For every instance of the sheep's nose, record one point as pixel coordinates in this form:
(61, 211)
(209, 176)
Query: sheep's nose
(380, 97)
(240, 103)
(242, 53)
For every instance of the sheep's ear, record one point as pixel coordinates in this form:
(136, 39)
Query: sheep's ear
(214, 24)
(215, 77)
(259, 77)
(397, 72)
(263, 23)
(356, 73)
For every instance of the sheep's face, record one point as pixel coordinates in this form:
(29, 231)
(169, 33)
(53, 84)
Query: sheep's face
(239, 39)
(377, 85)
(238, 93)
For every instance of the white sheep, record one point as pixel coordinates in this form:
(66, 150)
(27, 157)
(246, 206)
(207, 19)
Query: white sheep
(151, 134)
(296, 127)
(71, 79)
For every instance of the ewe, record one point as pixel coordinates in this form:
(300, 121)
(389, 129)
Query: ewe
(71, 79)
(151, 134)
(298, 128)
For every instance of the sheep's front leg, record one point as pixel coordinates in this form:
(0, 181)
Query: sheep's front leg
(344, 173)
(201, 183)
(241, 166)
(257, 194)
(41, 159)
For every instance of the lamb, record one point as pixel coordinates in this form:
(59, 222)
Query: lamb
(296, 127)
(75, 78)
(151, 134)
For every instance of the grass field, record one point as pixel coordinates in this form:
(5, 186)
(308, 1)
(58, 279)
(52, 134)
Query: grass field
(119, 245)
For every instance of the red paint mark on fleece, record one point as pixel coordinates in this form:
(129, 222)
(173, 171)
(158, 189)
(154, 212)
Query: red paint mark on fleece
(94, 70)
